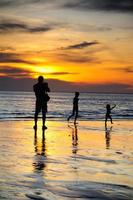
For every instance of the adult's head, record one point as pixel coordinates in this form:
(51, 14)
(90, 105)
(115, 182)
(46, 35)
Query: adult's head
(76, 94)
(40, 79)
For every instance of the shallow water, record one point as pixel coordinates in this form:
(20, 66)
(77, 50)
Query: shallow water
(85, 161)
(20, 106)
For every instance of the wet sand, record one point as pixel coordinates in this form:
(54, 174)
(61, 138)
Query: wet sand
(86, 161)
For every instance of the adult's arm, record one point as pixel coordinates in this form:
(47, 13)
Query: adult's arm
(47, 87)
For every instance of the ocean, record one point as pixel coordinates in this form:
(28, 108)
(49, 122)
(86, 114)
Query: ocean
(92, 106)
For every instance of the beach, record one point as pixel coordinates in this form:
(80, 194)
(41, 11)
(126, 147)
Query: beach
(86, 161)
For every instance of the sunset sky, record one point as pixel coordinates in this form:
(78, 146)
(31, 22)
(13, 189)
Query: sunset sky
(76, 44)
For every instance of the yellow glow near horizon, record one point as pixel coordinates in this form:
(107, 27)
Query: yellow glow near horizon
(81, 74)
(44, 71)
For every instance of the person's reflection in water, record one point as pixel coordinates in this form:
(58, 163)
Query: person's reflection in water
(40, 151)
(74, 138)
(108, 136)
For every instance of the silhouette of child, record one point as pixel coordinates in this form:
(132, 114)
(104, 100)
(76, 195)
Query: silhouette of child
(75, 107)
(108, 113)
(41, 89)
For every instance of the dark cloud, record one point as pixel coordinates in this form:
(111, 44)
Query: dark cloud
(43, 28)
(106, 5)
(10, 71)
(5, 3)
(80, 45)
(12, 58)
(77, 57)
(7, 26)
(12, 3)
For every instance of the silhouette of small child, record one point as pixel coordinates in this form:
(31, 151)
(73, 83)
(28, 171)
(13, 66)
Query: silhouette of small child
(108, 113)
(75, 107)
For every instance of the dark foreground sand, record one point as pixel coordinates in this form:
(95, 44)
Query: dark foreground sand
(86, 161)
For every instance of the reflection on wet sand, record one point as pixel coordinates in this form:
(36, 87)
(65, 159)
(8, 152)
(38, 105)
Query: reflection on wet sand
(40, 151)
(74, 130)
(47, 167)
(108, 136)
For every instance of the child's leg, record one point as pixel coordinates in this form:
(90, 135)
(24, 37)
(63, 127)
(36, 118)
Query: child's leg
(106, 118)
(76, 116)
(71, 115)
(111, 119)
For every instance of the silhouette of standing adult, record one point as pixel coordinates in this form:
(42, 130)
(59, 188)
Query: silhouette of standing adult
(41, 89)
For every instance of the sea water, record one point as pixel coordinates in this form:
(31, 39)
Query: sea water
(21, 105)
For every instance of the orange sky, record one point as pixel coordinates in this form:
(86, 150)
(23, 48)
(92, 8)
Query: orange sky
(80, 43)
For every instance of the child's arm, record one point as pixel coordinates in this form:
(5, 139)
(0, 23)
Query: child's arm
(113, 107)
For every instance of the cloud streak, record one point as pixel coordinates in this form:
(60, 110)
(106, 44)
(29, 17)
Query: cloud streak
(12, 58)
(80, 45)
(7, 26)
(128, 69)
(61, 73)
(10, 71)
(76, 53)
(6, 48)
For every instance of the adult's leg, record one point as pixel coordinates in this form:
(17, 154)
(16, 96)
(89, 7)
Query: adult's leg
(44, 111)
(37, 110)
(43, 120)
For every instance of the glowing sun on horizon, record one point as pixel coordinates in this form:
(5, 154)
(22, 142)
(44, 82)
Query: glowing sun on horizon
(43, 70)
